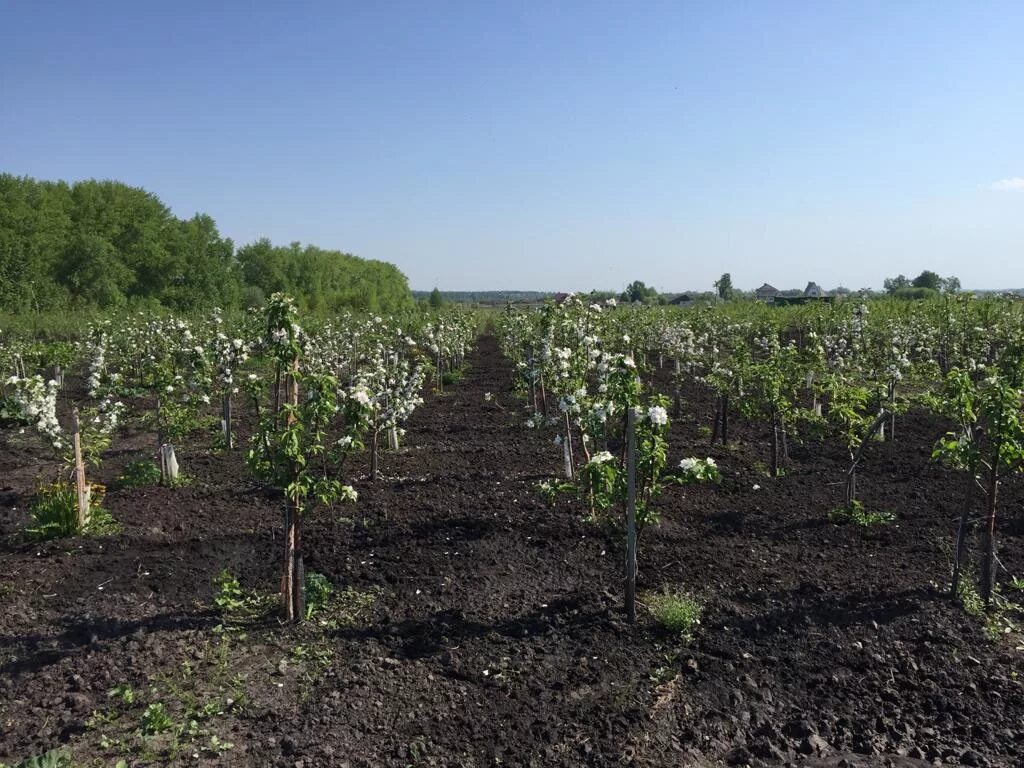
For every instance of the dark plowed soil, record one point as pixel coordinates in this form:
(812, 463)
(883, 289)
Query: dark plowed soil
(477, 626)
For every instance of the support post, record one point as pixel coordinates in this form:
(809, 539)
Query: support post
(81, 487)
(631, 515)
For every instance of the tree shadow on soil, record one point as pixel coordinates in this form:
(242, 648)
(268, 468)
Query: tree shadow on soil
(422, 638)
(811, 606)
(41, 651)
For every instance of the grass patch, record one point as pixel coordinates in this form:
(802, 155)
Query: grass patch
(677, 612)
(55, 513)
(139, 474)
(858, 515)
(454, 377)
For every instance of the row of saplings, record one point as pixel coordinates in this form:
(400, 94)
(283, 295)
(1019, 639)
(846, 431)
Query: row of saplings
(986, 446)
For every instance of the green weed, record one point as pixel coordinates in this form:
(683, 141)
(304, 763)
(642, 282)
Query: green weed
(858, 515)
(677, 612)
(139, 474)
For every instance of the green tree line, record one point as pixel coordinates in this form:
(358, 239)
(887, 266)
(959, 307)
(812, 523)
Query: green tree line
(104, 244)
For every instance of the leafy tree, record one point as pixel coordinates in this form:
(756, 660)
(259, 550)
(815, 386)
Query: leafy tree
(951, 285)
(93, 273)
(928, 279)
(724, 286)
(893, 284)
(912, 293)
(436, 302)
(638, 292)
(106, 244)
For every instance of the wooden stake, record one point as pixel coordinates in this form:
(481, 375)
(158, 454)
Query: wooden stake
(988, 536)
(225, 421)
(168, 464)
(631, 515)
(567, 449)
(81, 488)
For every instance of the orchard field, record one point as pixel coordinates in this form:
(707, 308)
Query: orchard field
(402, 540)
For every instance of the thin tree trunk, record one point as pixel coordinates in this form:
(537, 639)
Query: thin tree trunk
(892, 416)
(374, 439)
(785, 442)
(277, 395)
(677, 395)
(851, 473)
(293, 588)
(959, 551)
(725, 419)
(775, 446)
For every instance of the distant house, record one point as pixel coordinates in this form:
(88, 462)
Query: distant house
(682, 300)
(766, 292)
(812, 294)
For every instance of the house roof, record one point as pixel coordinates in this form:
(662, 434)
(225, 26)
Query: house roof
(767, 290)
(813, 289)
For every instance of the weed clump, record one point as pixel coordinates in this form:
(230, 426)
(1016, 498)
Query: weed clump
(677, 612)
(856, 513)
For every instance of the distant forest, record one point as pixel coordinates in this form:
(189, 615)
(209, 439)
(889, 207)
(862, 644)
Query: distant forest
(104, 244)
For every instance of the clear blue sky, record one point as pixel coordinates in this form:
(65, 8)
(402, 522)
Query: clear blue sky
(552, 146)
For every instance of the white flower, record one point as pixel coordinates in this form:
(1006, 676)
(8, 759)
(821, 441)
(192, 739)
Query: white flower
(348, 493)
(361, 396)
(757, 487)
(601, 457)
(710, 462)
(688, 464)
(657, 415)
